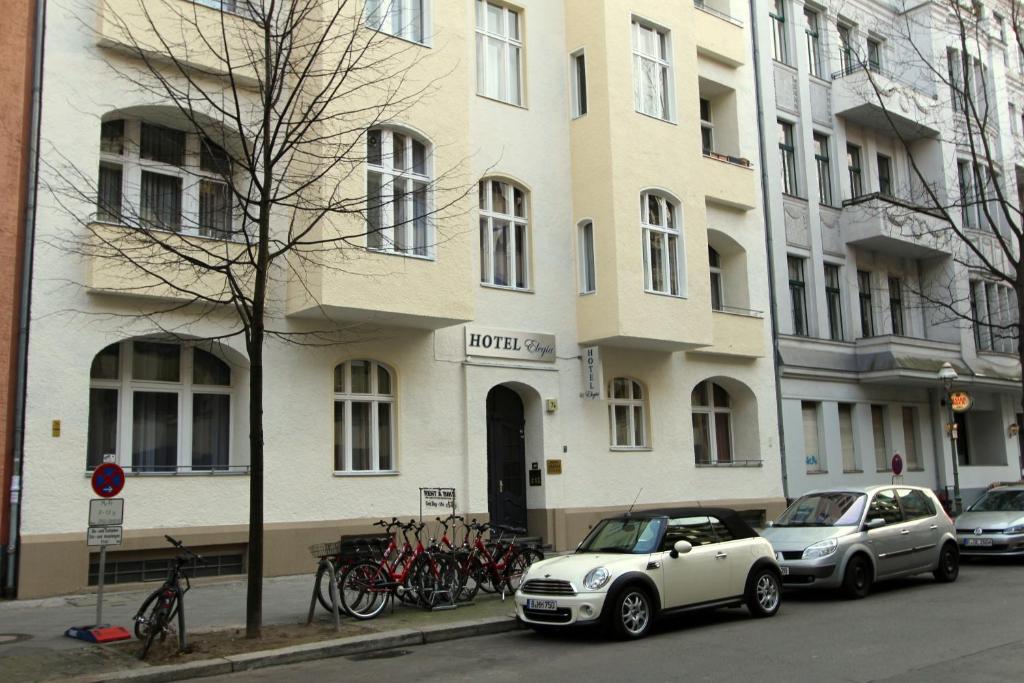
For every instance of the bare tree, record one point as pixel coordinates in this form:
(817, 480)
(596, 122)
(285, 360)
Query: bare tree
(939, 89)
(280, 95)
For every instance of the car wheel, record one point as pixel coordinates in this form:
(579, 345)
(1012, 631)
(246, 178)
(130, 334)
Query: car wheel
(949, 564)
(630, 614)
(857, 580)
(764, 594)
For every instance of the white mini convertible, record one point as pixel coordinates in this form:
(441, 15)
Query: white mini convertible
(630, 570)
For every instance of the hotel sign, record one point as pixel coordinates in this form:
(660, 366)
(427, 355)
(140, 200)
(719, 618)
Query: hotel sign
(593, 378)
(510, 345)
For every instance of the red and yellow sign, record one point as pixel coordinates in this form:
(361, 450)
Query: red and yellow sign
(960, 401)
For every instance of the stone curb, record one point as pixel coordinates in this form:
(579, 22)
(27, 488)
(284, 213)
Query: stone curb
(339, 647)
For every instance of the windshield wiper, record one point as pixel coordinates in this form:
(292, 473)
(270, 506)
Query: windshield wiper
(609, 549)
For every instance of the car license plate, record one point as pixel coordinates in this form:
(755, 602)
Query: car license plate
(544, 605)
(784, 570)
(978, 541)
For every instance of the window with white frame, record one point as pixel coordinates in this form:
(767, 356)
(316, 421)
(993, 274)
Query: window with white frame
(994, 316)
(910, 449)
(847, 442)
(398, 193)
(813, 41)
(814, 458)
(401, 18)
(588, 275)
(662, 242)
(159, 407)
(652, 70)
(160, 178)
(504, 236)
(364, 417)
(627, 407)
(882, 463)
(499, 51)
(717, 285)
(780, 48)
(243, 7)
(578, 75)
(711, 409)
(707, 127)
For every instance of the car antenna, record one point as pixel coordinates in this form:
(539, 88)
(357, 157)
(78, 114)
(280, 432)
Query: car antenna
(634, 501)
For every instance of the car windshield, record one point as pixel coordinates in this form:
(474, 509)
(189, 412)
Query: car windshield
(624, 536)
(825, 509)
(999, 501)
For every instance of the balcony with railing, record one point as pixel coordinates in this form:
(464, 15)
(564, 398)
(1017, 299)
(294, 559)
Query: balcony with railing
(719, 35)
(736, 332)
(870, 96)
(882, 223)
(729, 180)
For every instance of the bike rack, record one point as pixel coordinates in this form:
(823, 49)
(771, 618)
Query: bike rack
(327, 566)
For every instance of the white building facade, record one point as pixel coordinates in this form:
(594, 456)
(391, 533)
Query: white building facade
(587, 328)
(857, 278)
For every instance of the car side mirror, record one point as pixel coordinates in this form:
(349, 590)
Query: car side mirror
(681, 548)
(875, 523)
(771, 524)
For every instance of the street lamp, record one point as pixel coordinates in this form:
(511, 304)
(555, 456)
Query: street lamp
(948, 375)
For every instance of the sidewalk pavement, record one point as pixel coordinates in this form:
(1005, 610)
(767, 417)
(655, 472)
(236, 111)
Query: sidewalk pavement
(39, 651)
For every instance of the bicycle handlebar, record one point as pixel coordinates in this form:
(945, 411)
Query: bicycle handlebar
(188, 553)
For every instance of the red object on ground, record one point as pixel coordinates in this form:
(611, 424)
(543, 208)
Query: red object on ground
(98, 634)
(108, 480)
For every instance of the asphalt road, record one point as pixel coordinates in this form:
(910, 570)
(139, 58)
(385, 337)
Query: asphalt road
(910, 630)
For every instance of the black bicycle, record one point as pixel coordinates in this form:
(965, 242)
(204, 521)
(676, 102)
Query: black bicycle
(162, 606)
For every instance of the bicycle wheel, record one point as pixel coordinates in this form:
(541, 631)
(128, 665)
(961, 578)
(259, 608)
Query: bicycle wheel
(517, 566)
(140, 620)
(468, 574)
(365, 587)
(435, 578)
(323, 589)
(156, 624)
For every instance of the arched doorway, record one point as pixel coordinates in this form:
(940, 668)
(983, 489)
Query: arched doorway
(506, 457)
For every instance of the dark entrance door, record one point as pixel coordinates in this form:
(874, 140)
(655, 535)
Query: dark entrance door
(506, 458)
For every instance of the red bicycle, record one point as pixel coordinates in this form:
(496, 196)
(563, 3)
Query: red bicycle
(494, 566)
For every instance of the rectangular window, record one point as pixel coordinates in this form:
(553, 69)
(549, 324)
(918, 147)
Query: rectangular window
(102, 425)
(499, 50)
(211, 429)
(214, 209)
(846, 439)
(968, 192)
(824, 169)
(885, 175)
(780, 51)
(160, 201)
(707, 127)
(896, 306)
(154, 431)
(954, 77)
(874, 54)
(1000, 25)
(847, 58)
(833, 302)
(878, 431)
(652, 71)
(402, 18)
(797, 294)
(717, 288)
(867, 321)
(788, 153)
(853, 164)
(1014, 123)
(813, 456)
(579, 84)
(982, 340)
(813, 42)
(162, 144)
(911, 455)
(108, 198)
(588, 276)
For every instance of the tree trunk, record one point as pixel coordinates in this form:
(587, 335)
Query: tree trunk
(1018, 289)
(254, 593)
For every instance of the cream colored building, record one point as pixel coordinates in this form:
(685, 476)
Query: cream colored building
(609, 239)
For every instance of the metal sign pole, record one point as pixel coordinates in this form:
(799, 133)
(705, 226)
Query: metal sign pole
(99, 585)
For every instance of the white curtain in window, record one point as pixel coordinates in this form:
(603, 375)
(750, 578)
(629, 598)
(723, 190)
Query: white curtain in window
(878, 429)
(154, 431)
(211, 426)
(846, 437)
(812, 451)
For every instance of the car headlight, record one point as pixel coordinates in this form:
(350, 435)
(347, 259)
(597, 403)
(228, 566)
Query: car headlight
(596, 578)
(820, 549)
(1019, 529)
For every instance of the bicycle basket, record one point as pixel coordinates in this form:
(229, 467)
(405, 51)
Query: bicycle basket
(322, 550)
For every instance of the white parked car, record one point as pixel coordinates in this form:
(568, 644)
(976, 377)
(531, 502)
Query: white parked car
(630, 570)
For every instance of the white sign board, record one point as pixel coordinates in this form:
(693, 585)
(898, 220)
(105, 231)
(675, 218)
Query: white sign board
(106, 512)
(438, 500)
(509, 344)
(103, 535)
(593, 377)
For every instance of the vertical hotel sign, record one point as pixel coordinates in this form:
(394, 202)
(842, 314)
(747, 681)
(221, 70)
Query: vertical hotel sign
(593, 377)
(510, 345)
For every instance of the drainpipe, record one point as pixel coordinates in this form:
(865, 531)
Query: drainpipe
(776, 356)
(24, 309)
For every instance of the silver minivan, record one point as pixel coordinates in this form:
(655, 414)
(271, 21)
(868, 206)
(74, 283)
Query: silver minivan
(849, 538)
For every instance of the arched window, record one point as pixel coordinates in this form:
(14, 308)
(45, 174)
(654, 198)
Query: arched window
(504, 239)
(397, 193)
(364, 412)
(163, 178)
(712, 424)
(663, 257)
(159, 407)
(627, 413)
(715, 266)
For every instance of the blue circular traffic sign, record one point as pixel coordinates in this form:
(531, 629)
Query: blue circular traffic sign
(108, 480)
